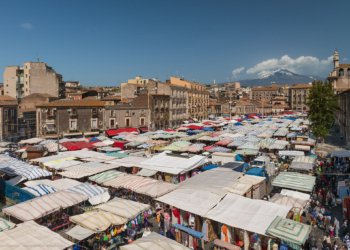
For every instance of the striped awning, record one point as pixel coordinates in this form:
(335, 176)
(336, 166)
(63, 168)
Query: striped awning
(6, 225)
(88, 189)
(137, 183)
(120, 181)
(293, 180)
(106, 176)
(40, 190)
(92, 220)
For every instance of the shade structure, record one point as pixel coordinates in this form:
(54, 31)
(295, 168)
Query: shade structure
(82, 171)
(220, 149)
(52, 147)
(157, 189)
(226, 245)
(106, 176)
(64, 164)
(297, 204)
(302, 147)
(172, 164)
(194, 201)
(92, 220)
(114, 132)
(192, 149)
(40, 190)
(80, 233)
(340, 153)
(295, 194)
(223, 142)
(291, 232)
(247, 214)
(154, 237)
(124, 208)
(249, 146)
(96, 194)
(114, 219)
(121, 180)
(6, 225)
(291, 153)
(40, 206)
(138, 183)
(60, 184)
(303, 163)
(208, 148)
(246, 152)
(295, 181)
(155, 245)
(147, 172)
(29, 234)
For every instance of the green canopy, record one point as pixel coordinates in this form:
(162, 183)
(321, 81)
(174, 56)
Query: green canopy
(291, 233)
(293, 180)
(246, 152)
(106, 176)
(118, 155)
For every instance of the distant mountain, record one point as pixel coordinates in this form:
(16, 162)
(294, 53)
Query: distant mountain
(280, 77)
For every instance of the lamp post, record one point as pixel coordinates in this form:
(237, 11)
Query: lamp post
(230, 106)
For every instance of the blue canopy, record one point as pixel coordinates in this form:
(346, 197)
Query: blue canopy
(258, 172)
(208, 129)
(238, 123)
(94, 139)
(238, 158)
(210, 167)
(189, 231)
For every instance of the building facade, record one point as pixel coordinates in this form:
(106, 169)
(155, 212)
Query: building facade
(125, 117)
(239, 107)
(9, 119)
(266, 93)
(214, 108)
(340, 76)
(298, 96)
(343, 115)
(33, 77)
(197, 98)
(159, 106)
(232, 86)
(70, 118)
(263, 107)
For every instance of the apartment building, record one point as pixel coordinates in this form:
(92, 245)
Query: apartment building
(267, 93)
(343, 115)
(340, 76)
(197, 98)
(159, 106)
(33, 77)
(239, 107)
(70, 118)
(9, 118)
(298, 96)
(263, 107)
(214, 108)
(125, 117)
(232, 86)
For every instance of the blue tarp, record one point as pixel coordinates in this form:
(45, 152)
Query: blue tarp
(238, 158)
(258, 172)
(94, 139)
(210, 167)
(238, 123)
(236, 166)
(208, 129)
(189, 231)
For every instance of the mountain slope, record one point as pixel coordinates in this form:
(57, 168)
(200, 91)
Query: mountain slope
(280, 77)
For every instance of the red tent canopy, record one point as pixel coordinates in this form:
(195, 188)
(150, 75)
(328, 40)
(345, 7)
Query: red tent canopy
(208, 147)
(170, 130)
(239, 120)
(74, 147)
(67, 144)
(113, 132)
(195, 127)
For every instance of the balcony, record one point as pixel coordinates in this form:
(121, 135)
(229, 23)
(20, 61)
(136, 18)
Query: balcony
(95, 129)
(76, 129)
(51, 116)
(94, 115)
(73, 116)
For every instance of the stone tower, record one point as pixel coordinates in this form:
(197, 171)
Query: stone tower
(336, 59)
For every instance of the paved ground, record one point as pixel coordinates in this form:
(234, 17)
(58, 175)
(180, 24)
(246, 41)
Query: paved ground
(333, 141)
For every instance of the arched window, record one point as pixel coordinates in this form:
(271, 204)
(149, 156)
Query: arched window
(341, 72)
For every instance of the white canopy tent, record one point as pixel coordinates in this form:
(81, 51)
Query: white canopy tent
(291, 153)
(244, 213)
(80, 233)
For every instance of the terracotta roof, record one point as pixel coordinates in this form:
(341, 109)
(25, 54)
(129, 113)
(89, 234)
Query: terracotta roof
(90, 98)
(242, 102)
(26, 110)
(6, 100)
(111, 98)
(39, 94)
(344, 65)
(297, 86)
(278, 107)
(261, 102)
(69, 103)
(213, 103)
(279, 98)
(78, 93)
(126, 100)
(266, 89)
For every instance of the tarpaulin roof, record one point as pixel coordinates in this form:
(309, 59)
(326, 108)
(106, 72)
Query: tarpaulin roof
(138, 183)
(92, 220)
(189, 230)
(289, 231)
(219, 149)
(291, 153)
(106, 176)
(295, 194)
(198, 202)
(80, 233)
(60, 184)
(303, 163)
(120, 180)
(295, 180)
(40, 206)
(192, 149)
(302, 147)
(124, 208)
(297, 204)
(157, 189)
(113, 132)
(82, 171)
(64, 164)
(6, 225)
(40, 190)
(246, 152)
(147, 172)
(247, 214)
(172, 164)
(30, 235)
(88, 189)
(341, 153)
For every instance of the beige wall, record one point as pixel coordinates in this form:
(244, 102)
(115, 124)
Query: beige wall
(120, 116)
(10, 80)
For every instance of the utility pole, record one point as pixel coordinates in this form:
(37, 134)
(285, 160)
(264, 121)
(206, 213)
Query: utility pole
(58, 133)
(149, 121)
(230, 106)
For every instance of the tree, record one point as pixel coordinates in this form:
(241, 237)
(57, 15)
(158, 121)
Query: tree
(322, 103)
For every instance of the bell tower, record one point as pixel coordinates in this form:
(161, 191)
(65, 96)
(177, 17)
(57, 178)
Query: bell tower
(336, 59)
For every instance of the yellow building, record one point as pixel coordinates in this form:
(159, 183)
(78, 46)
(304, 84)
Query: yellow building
(197, 98)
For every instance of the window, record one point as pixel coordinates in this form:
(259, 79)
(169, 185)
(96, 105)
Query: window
(341, 72)
(142, 112)
(6, 115)
(127, 123)
(12, 114)
(94, 111)
(348, 72)
(26, 76)
(142, 122)
(26, 90)
(155, 102)
(112, 122)
(112, 112)
(73, 125)
(26, 82)
(94, 123)
(26, 67)
(127, 113)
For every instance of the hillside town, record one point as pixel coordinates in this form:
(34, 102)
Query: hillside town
(168, 165)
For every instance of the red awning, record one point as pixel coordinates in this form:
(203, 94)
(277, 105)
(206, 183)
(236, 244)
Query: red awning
(194, 127)
(74, 147)
(144, 129)
(208, 147)
(113, 132)
(170, 130)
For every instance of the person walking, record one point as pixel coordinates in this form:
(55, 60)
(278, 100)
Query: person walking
(344, 228)
(319, 244)
(336, 227)
(312, 242)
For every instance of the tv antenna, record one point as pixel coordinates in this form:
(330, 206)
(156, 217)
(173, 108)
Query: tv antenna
(37, 57)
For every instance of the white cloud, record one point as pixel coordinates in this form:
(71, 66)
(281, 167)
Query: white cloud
(27, 26)
(302, 65)
(236, 72)
(345, 59)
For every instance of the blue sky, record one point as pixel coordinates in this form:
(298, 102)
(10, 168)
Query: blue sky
(107, 42)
